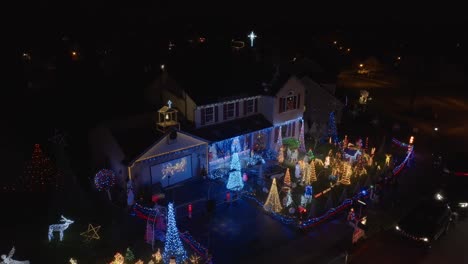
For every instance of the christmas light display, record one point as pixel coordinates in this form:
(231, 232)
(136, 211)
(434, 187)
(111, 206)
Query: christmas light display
(288, 199)
(195, 259)
(281, 155)
(59, 227)
(301, 138)
(312, 172)
(345, 142)
(306, 174)
(332, 132)
(279, 141)
(40, 173)
(129, 256)
(118, 259)
(104, 180)
(235, 182)
(173, 245)
(157, 256)
(139, 262)
(196, 246)
(252, 36)
(73, 261)
(273, 202)
(91, 233)
(7, 259)
(287, 178)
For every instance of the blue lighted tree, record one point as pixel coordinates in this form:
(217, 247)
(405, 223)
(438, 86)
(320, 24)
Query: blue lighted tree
(332, 128)
(173, 245)
(235, 182)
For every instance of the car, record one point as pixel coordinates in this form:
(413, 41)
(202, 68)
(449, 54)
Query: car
(426, 223)
(455, 182)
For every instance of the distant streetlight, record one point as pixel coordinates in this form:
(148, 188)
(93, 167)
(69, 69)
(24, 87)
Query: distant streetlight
(348, 49)
(341, 48)
(398, 58)
(162, 67)
(335, 42)
(361, 65)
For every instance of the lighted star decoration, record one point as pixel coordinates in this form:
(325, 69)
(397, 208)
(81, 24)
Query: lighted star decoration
(252, 36)
(91, 233)
(169, 103)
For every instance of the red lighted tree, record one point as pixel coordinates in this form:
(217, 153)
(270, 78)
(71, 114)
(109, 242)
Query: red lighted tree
(40, 173)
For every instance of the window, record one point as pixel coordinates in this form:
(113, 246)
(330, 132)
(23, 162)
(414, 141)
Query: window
(230, 109)
(289, 102)
(209, 115)
(250, 106)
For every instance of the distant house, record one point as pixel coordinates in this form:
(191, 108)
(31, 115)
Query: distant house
(134, 147)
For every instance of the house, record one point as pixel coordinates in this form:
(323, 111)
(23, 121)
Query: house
(320, 102)
(242, 114)
(139, 148)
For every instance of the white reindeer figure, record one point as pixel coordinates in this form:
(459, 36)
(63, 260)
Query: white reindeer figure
(8, 259)
(59, 227)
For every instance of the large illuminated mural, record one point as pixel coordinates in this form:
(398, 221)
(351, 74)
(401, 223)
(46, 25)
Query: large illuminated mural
(173, 171)
(169, 168)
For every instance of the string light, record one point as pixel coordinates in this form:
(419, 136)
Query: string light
(173, 245)
(104, 179)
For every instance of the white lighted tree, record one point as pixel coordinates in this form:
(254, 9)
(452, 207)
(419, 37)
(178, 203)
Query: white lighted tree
(273, 202)
(235, 182)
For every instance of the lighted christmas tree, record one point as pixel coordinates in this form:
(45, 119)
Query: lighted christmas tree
(235, 182)
(173, 245)
(345, 142)
(279, 142)
(287, 178)
(118, 259)
(129, 256)
(332, 132)
(288, 199)
(273, 202)
(301, 138)
(306, 176)
(104, 180)
(281, 155)
(157, 256)
(313, 174)
(346, 172)
(40, 173)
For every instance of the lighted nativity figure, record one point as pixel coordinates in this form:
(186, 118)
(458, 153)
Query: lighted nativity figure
(387, 159)
(8, 259)
(294, 155)
(297, 170)
(288, 154)
(326, 164)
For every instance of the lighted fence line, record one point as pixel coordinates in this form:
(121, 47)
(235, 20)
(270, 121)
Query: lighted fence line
(196, 246)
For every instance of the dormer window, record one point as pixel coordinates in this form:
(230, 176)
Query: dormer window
(290, 102)
(230, 110)
(209, 115)
(250, 106)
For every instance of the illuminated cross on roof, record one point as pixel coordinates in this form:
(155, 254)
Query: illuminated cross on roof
(252, 36)
(169, 103)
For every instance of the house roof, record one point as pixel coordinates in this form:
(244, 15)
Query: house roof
(233, 128)
(135, 134)
(210, 77)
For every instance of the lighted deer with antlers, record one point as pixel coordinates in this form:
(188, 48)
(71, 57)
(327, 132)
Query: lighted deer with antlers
(59, 227)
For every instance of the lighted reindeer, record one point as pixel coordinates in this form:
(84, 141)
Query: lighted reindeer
(59, 227)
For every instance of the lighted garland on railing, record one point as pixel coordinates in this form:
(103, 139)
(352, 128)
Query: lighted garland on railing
(195, 245)
(331, 212)
(409, 154)
(283, 219)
